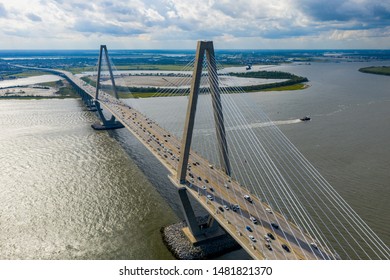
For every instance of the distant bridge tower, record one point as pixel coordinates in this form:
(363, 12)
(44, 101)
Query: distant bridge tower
(103, 48)
(112, 123)
(202, 48)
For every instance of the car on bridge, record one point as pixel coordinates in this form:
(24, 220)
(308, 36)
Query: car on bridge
(275, 225)
(270, 235)
(248, 198)
(248, 228)
(235, 207)
(253, 219)
(251, 237)
(266, 238)
(209, 197)
(285, 247)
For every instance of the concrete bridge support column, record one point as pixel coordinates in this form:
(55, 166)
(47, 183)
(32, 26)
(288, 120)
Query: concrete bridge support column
(198, 233)
(88, 100)
(212, 224)
(106, 124)
(91, 104)
(189, 212)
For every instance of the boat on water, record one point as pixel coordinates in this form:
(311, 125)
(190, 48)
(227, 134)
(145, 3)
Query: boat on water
(305, 118)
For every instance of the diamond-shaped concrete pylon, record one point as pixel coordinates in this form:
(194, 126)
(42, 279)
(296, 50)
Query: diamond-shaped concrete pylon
(204, 47)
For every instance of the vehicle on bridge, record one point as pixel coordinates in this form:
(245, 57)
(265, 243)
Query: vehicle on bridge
(248, 198)
(253, 219)
(285, 247)
(270, 235)
(235, 207)
(275, 225)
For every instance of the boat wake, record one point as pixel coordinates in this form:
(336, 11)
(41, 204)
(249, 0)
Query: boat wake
(252, 125)
(279, 122)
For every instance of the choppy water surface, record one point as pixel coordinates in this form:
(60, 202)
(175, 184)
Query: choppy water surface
(70, 192)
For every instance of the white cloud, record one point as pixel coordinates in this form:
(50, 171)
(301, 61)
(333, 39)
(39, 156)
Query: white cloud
(235, 23)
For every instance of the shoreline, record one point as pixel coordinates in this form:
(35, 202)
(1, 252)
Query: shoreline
(376, 70)
(61, 92)
(30, 97)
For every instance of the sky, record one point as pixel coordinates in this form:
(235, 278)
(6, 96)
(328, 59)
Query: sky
(178, 24)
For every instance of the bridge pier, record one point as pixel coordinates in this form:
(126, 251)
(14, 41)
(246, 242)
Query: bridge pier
(105, 124)
(195, 232)
(198, 237)
(88, 101)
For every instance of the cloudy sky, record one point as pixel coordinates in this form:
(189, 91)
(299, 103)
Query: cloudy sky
(175, 24)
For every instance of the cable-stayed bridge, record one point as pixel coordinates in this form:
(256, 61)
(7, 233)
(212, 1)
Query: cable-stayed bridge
(250, 178)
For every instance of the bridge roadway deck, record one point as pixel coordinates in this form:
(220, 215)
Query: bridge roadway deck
(207, 180)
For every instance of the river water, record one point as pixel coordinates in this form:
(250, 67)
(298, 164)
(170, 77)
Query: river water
(69, 192)
(29, 81)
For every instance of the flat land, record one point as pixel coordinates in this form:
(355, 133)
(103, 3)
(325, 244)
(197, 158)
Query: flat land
(162, 67)
(58, 89)
(24, 74)
(379, 70)
(292, 87)
(146, 84)
(174, 81)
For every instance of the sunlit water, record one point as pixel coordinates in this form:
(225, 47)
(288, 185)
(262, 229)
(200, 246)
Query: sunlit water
(69, 192)
(29, 81)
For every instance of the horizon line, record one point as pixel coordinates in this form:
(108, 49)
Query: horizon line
(222, 49)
